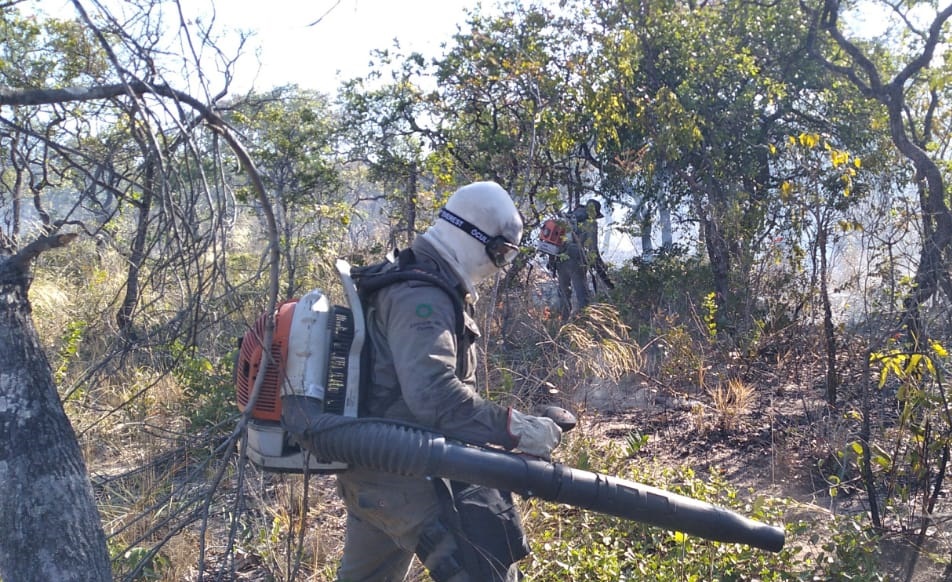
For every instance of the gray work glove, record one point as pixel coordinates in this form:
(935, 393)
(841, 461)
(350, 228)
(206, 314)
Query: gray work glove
(536, 435)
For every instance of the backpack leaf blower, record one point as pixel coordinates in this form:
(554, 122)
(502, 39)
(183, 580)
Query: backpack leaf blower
(306, 419)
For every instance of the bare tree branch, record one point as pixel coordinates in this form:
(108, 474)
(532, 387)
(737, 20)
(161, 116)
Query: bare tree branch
(20, 261)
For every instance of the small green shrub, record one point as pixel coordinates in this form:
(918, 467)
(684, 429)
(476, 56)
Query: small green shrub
(127, 560)
(69, 348)
(583, 546)
(208, 388)
(671, 282)
(851, 552)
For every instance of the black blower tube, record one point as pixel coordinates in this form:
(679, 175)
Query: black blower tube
(390, 447)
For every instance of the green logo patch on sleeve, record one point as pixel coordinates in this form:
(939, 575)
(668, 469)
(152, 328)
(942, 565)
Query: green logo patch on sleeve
(424, 310)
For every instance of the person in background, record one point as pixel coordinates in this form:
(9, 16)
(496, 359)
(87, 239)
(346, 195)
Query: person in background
(460, 532)
(579, 256)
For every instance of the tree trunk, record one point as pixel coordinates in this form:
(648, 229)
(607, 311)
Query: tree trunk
(719, 256)
(137, 254)
(412, 195)
(51, 527)
(829, 330)
(936, 219)
(932, 270)
(646, 246)
(667, 238)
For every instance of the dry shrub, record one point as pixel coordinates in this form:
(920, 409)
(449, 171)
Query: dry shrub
(599, 345)
(272, 528)
(552, 362)
(731, 400)
(698, 418)
(533, 358)
(680, 357)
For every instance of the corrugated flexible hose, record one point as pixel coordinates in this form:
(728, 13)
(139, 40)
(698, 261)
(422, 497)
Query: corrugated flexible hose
(402, 449)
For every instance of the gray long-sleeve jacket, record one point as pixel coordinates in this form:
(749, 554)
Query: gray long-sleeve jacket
(414, 377)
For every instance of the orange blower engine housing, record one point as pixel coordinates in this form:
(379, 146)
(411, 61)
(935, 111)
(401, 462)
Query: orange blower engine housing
(268, 404)
(552, 236)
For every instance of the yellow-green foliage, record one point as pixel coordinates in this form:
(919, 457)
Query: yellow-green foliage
(578, 545)
(710, 315)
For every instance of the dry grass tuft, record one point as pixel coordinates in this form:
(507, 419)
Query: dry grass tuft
(599, 344)
(731, 400)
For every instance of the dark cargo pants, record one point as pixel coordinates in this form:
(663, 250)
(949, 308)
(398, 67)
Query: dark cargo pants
(571, 270)
(387, 517)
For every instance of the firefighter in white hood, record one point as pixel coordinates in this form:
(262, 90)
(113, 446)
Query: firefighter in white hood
(422, 372)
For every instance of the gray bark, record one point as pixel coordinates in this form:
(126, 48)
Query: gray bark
(51, 526)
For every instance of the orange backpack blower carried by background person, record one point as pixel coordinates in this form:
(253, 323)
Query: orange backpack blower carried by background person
(552, 236)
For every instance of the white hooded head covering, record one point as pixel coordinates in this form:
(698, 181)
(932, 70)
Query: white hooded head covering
(487, 206)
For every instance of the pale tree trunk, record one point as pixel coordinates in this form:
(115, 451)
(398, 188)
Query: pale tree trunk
(667, 237)
(48, 516)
